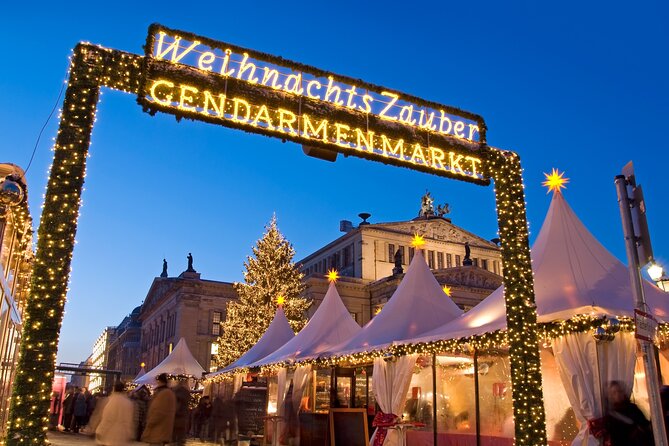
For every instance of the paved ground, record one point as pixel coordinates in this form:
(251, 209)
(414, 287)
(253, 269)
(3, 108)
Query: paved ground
(68, 439)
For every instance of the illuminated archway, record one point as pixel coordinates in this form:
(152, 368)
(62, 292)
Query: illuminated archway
(193, 77)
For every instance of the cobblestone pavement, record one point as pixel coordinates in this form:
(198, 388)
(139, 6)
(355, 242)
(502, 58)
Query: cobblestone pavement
(69, 439)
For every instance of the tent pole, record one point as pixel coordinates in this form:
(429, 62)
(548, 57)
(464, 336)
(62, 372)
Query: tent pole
(476, 396)
(434, 397)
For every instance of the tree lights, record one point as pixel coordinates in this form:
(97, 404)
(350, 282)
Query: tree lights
(271, 278)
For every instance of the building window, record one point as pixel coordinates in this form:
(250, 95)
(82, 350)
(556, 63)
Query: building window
(216, 323)
(484, 264)
(412, 251)
(347, 255)
(457, 260)
(494, 266)
(475, 261)
(440, 260)
(402, 253)
(391, 252)
(430, 259)
(449, 260)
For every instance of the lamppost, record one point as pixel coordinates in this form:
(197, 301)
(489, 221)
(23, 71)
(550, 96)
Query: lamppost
(639, 253)
(657, 275)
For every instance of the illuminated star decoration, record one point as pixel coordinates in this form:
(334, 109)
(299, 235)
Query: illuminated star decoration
(417, 241)
(555, 181)
(447, 290)
(333, 275)
(280, 300)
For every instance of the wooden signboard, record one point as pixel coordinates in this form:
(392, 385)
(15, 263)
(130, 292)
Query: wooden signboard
(251, 409)
(348, 427)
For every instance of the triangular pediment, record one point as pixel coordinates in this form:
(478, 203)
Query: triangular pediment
(437, 229)
(159, 289)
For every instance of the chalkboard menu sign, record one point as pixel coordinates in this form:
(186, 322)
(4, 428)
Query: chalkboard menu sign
(348, 427)
(251, 403)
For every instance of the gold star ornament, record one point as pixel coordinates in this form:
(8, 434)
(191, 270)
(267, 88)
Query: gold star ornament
(417, 241)
(555, 181)
(280, 300)
(447, 290)
(333, 275)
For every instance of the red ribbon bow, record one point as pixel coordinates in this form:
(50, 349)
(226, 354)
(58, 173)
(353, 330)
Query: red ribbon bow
(382, 421)
(597, 427)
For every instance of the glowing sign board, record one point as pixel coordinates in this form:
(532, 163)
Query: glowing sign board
(203, 79)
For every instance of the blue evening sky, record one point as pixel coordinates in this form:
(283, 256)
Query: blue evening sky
(581, 86)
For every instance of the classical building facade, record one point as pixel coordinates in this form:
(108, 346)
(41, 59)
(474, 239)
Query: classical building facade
(124, 349)
(372, 259)
(16, 264)
(186, 307)
(99, 359)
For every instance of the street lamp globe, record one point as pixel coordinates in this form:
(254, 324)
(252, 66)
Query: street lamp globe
(655, 272)
(11, 191)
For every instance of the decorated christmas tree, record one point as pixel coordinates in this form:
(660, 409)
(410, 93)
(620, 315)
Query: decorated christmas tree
(270, 279)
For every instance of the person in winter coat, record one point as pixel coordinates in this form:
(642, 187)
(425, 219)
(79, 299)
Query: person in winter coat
(181, 416)
(160, 416)
(140, 397)
(201, 416)
(222, 418)
(68, 409)
(80, 410)
(117, 424)
(625, 423)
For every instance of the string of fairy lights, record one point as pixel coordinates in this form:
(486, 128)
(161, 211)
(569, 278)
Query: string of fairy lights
(92, 67)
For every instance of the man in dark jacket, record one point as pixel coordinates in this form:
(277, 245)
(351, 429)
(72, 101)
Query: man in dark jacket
(181, 416)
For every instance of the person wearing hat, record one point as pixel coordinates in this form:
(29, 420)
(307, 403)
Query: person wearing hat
(160, 416)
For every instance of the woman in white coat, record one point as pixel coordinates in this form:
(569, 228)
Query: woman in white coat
(117, 425)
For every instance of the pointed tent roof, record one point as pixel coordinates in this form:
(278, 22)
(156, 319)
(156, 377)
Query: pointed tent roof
(331, 324)
(141, 373)
(418, 305)
(277, 334)
(179, 362)
(573, 274)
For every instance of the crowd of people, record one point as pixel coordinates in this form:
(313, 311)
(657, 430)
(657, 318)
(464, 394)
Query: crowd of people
(157, 418)
(166, 416)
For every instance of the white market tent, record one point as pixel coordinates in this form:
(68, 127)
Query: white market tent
(331, 324)
(418, 305)
(179, 362)
(277, 334)
(573, 274)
